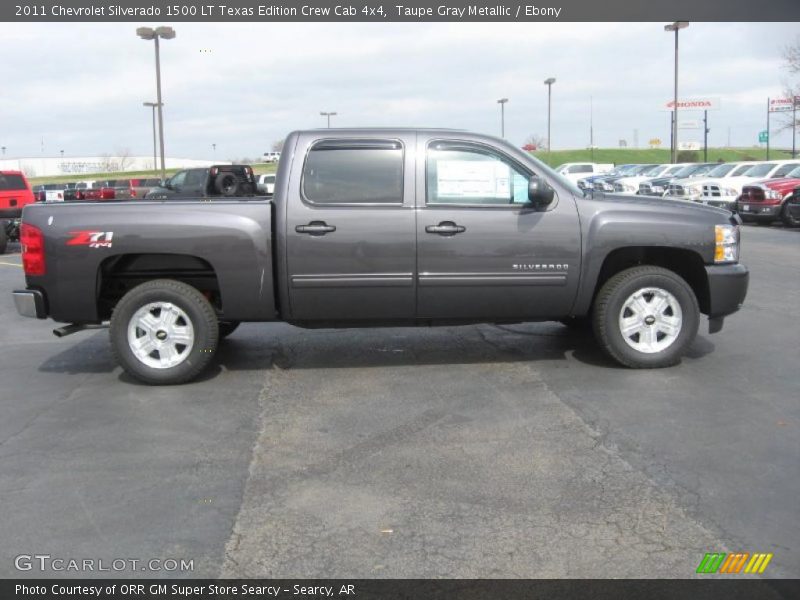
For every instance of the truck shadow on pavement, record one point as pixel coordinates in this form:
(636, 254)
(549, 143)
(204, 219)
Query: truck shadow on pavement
(264, 346)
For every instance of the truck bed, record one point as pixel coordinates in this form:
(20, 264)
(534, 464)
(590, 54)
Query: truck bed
(92, 247)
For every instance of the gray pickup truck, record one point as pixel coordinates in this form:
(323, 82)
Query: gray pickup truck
(384, 227)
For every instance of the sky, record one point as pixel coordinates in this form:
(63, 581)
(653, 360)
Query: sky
(242, 86)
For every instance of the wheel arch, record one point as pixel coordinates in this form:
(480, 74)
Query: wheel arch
(686, 263)
(118, 274)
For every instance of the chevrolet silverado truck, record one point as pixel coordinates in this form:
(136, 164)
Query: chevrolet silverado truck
(384, 227)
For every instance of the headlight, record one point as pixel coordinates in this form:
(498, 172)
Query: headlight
(628, 188)
(694, 190)
(726, 248)
(729, 192)
(773, 194)
(659, 189)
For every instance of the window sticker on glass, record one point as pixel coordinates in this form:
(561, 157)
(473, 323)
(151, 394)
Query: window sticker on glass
(471, 179)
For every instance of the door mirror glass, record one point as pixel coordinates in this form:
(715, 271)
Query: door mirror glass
(540, 194)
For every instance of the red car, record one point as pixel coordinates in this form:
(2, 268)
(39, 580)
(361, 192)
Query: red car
(15, 192)
(765, 201)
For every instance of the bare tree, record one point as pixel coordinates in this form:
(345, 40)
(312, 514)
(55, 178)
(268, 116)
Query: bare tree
(791, 56)
(277, 146)
(124, 159)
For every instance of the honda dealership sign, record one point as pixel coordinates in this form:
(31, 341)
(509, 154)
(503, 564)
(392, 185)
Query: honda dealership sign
(781, 104)
(694, 104)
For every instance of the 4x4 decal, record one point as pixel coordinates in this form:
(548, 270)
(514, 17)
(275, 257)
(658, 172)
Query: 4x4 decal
(93, 239)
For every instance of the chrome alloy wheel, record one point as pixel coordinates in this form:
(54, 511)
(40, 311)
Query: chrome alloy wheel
(650, 320)
(160, 335)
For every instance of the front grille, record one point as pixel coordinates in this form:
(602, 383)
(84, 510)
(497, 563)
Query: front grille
(676, 190)
(618, 187)
(752, 194)
(645, 188)
(711, 191)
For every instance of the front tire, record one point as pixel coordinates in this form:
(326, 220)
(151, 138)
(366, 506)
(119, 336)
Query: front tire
(3, 237)
(164, 332)
(646, 317)
(787, 217)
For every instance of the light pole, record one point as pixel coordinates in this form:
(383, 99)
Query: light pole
(167, 33)
(329, 115)
(549, 83)
(676, 27)
(502, 103)
(153, 106)
(3, 148)
(214, 149)
(62, 153)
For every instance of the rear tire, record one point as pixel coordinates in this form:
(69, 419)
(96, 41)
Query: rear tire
(164, 332)
(646, 317)
(3, 237)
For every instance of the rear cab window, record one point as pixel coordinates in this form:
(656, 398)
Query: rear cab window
(12, 182)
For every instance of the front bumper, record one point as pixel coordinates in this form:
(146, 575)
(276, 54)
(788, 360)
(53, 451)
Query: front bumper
(30, 303)
(727, 288)
(759, 209)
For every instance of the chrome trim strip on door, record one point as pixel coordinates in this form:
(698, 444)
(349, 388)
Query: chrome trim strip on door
(491, 279)
(353, 280)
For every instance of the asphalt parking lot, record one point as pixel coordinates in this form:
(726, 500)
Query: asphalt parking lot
(479, 451)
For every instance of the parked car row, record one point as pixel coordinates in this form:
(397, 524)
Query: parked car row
(109, 189)
(758, 190)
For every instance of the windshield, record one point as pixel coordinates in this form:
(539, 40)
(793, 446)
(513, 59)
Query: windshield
(686, 171)
(794, 173)
(653, 171)
(721, 170)
(741, 170)
(759, 170)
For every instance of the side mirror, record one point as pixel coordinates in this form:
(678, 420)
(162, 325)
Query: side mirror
(539, 193)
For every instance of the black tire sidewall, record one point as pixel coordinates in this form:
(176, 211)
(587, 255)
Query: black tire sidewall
(3, 237)
(690, 319)
(222, 188)
(787, 217)
(205, 331)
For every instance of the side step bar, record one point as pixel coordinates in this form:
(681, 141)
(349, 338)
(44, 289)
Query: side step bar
(76, 327)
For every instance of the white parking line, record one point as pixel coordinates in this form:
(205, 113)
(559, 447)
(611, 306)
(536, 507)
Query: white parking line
(10, 264)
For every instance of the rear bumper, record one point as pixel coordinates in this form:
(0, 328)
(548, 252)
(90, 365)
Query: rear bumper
(727, 288)
(11, 213)
(30, 303)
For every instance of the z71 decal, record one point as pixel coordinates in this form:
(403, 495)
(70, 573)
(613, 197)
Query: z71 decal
(93, 239)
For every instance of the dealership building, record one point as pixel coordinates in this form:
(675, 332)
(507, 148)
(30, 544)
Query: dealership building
(78, 165)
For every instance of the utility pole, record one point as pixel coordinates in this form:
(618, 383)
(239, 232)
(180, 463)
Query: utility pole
(705, 136)
(676, 27)
(591, 130)
(767, 128)
(502, 103)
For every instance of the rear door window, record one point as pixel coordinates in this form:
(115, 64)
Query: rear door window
(354, 172)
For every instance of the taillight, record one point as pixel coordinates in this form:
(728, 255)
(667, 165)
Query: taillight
(32, 242)
(133, 193)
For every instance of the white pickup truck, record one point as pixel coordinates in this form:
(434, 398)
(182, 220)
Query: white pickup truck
(575, 171)
(722, 191)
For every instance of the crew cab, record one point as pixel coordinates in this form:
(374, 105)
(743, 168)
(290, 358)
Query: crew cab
(378, 227)
(206, 182)
(766, 201)
(15, 194)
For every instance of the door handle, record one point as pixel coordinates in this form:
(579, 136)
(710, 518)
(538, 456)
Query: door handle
(315, 228)
(446, 228)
